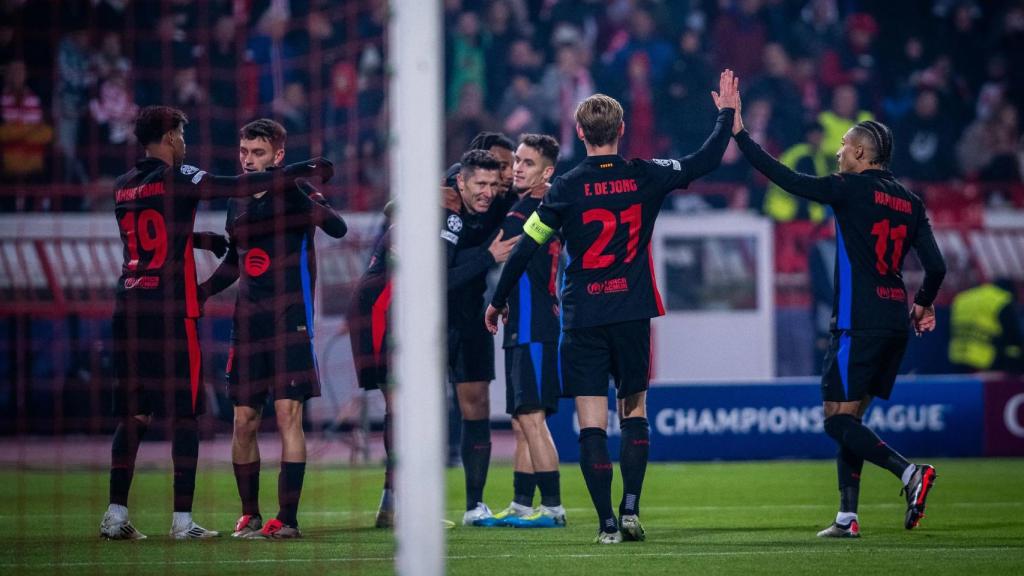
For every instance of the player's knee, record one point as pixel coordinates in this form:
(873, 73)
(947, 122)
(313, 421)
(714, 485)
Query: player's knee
(289, 421)
(836, 426)
(531, 422)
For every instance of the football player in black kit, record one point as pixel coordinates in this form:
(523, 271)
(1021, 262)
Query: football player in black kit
(273, 257)
(605, 208)
(157, 357)
(531, 350)
(472, 248)
(877, 222)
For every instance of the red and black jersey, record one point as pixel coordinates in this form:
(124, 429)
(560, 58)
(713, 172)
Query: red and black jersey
(533, 314)
(155, 206)
(877, 222)
(605, 208)
(273, 255)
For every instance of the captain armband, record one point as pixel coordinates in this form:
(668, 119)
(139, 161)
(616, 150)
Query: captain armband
(537, 229)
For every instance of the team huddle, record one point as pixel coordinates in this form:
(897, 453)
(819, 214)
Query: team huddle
(576, 294)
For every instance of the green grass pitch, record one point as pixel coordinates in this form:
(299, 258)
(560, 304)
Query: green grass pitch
(701, 518)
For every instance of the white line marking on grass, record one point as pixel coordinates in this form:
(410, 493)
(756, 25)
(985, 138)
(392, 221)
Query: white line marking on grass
(453, 511)
(461, 557)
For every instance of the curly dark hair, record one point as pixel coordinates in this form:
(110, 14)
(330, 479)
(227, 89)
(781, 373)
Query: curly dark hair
(154, 121)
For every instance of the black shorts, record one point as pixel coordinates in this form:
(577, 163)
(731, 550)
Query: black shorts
(470, 353)
(531, 378)
(158, 366)
(284, 366)
(861, 363)
(368, 333)
(589, 355)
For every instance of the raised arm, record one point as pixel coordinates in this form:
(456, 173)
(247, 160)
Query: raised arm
(208, 186)
(320, 212)
(811, 187)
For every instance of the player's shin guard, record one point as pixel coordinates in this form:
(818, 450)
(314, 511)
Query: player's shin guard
(247, 478)
(389, 458)
(848, 431)
(848, 468)
(123, 451)
(596, 464)
(476, 458)
(636, 443)
(289, 489)
(524, 485)
(550, 488)
(185, 456)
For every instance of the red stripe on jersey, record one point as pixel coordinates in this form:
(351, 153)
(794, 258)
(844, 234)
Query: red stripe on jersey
(654, 282)
(195, 359)
(379, 320)
(191, 288)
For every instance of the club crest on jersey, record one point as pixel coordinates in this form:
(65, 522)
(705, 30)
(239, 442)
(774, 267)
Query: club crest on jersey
(454, 223)
(669, 163)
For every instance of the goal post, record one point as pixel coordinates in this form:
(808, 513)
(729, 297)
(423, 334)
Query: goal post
(416, 100)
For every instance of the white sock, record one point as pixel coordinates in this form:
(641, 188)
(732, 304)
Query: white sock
(181, 520)
(118, 511)
(908, 474)
(845, 518)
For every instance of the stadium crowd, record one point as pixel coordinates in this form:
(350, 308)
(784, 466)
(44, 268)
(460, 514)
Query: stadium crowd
(75, 73)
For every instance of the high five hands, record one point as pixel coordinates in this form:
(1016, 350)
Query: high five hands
(728, 96)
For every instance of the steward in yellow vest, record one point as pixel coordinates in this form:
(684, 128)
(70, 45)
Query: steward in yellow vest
(985, 330)
(807, 158)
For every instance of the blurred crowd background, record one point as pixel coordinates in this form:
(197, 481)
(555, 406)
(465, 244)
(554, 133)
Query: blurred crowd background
(941, 73)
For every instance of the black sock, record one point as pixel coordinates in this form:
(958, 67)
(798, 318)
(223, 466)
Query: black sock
(550, 489)
(476, 458)
(635, 446)
(247, 478)
(185, 456)
(389, 459)
(289, 489)
(848, 467)
(524, 484)
(596, 464)
(849, 432)
(123, 451)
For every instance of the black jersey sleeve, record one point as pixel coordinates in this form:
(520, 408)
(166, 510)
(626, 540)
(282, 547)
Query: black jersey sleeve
(320, 212)
(226, 272)
(823, 190)
(204, 185)
(931, 260)
(709, 155)
(462, 265)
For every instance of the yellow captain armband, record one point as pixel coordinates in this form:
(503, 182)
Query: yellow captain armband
(536, 229)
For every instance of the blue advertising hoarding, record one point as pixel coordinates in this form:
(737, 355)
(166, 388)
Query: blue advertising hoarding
(926, 417)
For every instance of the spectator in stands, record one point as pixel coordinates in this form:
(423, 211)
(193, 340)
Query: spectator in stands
(525, 60)
(293, 111)
(926, 146)
(965, 40)
(805, 78)
(739, 19)
(466, 62)
(468, 120)
(854, 61)
(818, 29)
(24, 133)
(844, 113)
(641, 46)
(522, 108)
(113, 111)
(684, 109)
(775, 86)
(73, 82)
(988, 149)
(499, 35)
(565, 84)
(110, 60)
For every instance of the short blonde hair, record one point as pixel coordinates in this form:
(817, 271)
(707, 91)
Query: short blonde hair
(600, 118)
